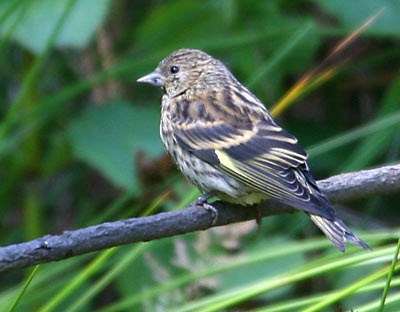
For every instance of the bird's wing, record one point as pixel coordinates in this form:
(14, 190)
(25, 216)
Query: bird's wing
(262, 156)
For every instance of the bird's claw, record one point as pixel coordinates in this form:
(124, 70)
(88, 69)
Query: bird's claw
(202, 201)
(213, 212)
(258, 217)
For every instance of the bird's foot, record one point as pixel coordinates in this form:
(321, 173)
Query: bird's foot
(258, 217)
(202, 201)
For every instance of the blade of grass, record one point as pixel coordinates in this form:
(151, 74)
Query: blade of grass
(302, 89)
(97, 265)
(155, 204)
(281, 53)
(374, 306)
(296, 304)
(355, 134)
(376, 143)
(188, 199)
(113, 208)
(7, 12)
(105, 280)
(40, 284)
(12, 9)
(294, 248)
(34, 72)
(231, 297)
(46, 109)
(390, 276)
(90, 269)
(297, 247)
(303, 82)
(239, 39)
(347, 291)
(24, 288)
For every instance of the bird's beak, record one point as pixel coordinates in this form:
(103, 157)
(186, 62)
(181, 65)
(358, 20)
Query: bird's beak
(154, 79)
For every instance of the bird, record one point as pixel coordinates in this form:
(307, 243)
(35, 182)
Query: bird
(225, 141)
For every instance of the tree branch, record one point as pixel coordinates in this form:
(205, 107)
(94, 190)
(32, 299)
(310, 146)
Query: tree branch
(340, 188)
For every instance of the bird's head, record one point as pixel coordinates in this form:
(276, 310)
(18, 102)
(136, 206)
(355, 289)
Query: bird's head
(182, 70)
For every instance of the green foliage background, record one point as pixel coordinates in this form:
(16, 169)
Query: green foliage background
(79, 145)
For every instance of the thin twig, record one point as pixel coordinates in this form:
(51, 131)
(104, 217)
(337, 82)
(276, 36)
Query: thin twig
(340, 188)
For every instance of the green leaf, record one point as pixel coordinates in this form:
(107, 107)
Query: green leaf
(107, 138)
(39, 20)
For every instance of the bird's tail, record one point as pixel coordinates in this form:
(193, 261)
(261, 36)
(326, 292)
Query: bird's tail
(338, 232)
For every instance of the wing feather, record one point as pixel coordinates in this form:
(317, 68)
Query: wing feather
(262, 156)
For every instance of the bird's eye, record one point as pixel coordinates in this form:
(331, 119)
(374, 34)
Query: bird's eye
(174, 69)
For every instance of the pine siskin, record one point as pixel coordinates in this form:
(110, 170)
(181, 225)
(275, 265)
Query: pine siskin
(225, 141)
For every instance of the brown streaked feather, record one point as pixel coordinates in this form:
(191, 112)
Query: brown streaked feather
(255, 151)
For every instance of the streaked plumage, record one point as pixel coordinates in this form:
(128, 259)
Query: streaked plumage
(224, 140)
